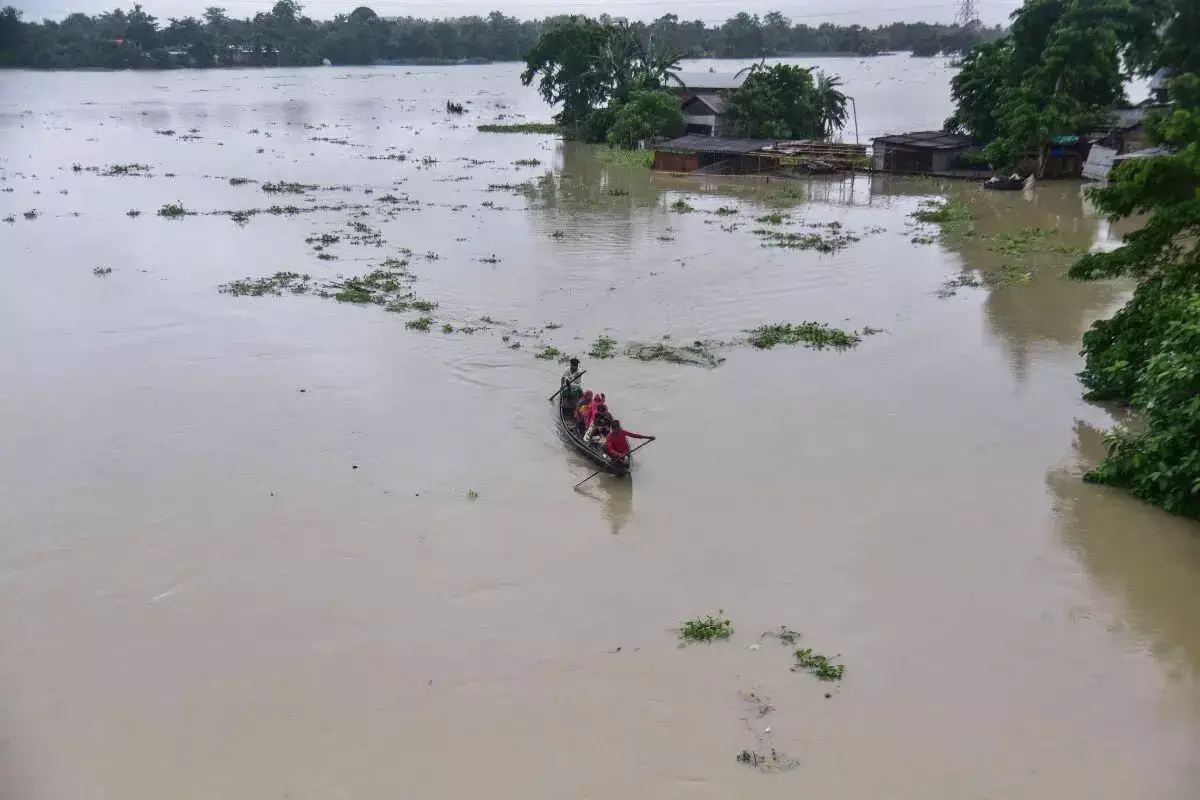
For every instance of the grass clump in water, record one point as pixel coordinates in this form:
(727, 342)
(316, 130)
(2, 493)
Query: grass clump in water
(31, 214)
(820, 666)
(520, 127)
(816, 335)
(100, 272)
(706, 629)
(774, 218)
(422, 305)
(354, 294)
(829, 241)
(276, 284)
(239, 181)
(526, 162)
(173, 211)
(632, 159)
(283, 187)
(120, 170)
(603, 347)
(133, 212)
(725, 211)
(681, 206)
(697, 353)
(419, 324)
(548, 353)
(447, 327)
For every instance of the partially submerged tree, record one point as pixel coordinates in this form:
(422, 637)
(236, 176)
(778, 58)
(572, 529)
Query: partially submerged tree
(782, 101)
(1147, 355)
(648, 113)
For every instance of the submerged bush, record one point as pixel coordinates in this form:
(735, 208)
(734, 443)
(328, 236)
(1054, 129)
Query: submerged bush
(816, 335)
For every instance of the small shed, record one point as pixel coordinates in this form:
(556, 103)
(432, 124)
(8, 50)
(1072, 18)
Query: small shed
(706, 114)
(918, 151)
(695, 151)
(691, 84)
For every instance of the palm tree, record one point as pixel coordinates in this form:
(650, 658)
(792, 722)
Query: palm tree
(832, 104)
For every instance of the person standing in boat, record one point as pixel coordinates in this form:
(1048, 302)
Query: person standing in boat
(571, 390)
(616, 445)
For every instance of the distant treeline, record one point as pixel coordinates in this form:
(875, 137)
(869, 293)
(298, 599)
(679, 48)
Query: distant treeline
(134, 39)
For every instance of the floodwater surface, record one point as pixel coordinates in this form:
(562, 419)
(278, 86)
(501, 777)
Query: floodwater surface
(267, 547)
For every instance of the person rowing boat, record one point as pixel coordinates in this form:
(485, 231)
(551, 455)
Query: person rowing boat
(570, 391)
(616, 444)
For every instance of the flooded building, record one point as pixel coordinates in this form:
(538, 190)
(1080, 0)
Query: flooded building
(919, 152)
(706, 115)
(718, 154)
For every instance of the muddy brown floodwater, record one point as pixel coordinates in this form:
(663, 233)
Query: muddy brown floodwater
(239, 553)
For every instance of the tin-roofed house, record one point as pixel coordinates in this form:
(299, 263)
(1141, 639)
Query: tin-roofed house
(919, 151)
(706, 114)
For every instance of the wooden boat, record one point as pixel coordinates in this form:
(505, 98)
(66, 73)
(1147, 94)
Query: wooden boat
(567, 429)
(1004, 184)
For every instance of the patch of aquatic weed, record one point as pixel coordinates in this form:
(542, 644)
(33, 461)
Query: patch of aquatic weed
(706, 629)
(818, 665)
(681, 206)
(100, 272)
(526, 162)
(173, 211)
(950, 287)
(774, 218)
(816, 335)
(240, 181)
(771, 761)
(631, 159)
(1030, 240)
(830, 240)
(520, 127)
(698, 353)
(277, 284)
(123, 170)
(419, 324)
(548, 353)
(725, 211)
(31, 214)
(284, 187)
(1007, 275)
(604, 347)
(952, 216)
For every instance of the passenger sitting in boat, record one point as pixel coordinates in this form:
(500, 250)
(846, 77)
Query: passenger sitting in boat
(616, 445)
(592, 410)
(582, 408)
(601, 425)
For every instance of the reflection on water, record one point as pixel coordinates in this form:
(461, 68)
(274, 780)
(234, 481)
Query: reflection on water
(1143, 559)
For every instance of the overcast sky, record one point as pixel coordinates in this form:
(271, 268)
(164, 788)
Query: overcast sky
(863, 12)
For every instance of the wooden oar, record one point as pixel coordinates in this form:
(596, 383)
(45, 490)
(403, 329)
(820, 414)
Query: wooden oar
(577, 377)
(606, 466)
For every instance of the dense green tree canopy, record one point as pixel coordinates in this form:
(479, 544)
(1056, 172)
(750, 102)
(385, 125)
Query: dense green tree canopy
(285, 36)
(647, 113)
(783, 101)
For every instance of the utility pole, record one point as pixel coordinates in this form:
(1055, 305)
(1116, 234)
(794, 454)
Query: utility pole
(967, 16)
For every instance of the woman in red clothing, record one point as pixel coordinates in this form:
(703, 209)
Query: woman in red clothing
(616, 446)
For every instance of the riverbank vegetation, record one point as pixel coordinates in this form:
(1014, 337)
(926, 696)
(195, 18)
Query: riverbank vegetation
(284, 36)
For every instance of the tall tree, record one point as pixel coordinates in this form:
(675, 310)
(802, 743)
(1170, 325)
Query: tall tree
(777, 102)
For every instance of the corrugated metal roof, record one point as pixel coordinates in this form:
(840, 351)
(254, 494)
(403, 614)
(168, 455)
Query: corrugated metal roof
(712, 102)
(698, 143)
(1144, 153)
(926, 140)
(713, 81)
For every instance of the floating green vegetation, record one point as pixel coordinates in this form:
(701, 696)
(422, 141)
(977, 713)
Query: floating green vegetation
(604, 347)
(548, 353)
(173, 211)
(489, 260)
(100, 272)
(77, 167)
(31, 214)
(698, 353)
(526, 162)
(526, 188)
(447, 327)
(276, 284)
(326, 256)
(472, 494)
(165, 132)
(284, 187)
(816, 335)
(240, 181)
(1030, 240)
(950, 287)
(520, 127)
(923, 238)
(389, 157)
(954, 216)
(422, 305)
(354, 294)
(818, 665)
(706, 629)
(133, 212)
(428, 160)
(725, 211)
(10, 219)
(617, 191)
(681, 206)
(419, 324)
(323, 240)
(120, 170)
(1007, 275)
(631, 159)
(774, 218)
(785, 635)
(830, 240)
(774, 761)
